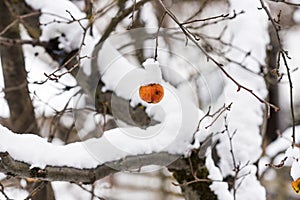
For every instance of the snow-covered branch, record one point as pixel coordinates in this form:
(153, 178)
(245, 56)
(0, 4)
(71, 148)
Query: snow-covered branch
(10, 166)
(13, 167)
(72, 162)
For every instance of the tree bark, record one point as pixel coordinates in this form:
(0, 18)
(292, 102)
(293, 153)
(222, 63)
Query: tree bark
(15, 78)
(10, 166)
(22, 115)
(271, 61)
(185, 170)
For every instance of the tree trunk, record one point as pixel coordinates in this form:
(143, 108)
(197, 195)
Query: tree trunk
(184, 171)
(271, 61)
(15, 78)
(22, 117)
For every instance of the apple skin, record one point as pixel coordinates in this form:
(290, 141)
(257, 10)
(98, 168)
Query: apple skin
(296, 185)
(151, 93)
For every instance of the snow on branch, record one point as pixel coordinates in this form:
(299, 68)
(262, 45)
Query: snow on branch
(70, 162)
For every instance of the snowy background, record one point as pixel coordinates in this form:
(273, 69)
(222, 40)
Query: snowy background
(191, 86)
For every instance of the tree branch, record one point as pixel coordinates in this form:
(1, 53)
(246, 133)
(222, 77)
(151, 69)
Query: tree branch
(10, 166)
(191, 37)
(282, 53)
(286, 2)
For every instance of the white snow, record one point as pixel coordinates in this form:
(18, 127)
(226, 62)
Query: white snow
(295, 169)
(219, 187)
(73, 154)
(56, 10)
(249, 31)
(111, 62)
(69, 191)
(250, 187)
(115, 144)
(177, 111)
(153, 72)
(296, 16)
(3, 103)
(291, 43)
(50, 97)
(148, 16)
(14, 193)
(173, 135)
(174, 109)
(246, 113)
(284, 144)
(178, 116)
(292, 153)
(2, 176)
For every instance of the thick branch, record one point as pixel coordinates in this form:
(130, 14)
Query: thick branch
(10, 166)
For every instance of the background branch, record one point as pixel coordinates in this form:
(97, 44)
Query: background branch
(284, 55)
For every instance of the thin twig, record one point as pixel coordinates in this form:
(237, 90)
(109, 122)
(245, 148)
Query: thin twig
(286, 2)
(12, 42)
(203, 5)
(283, 54)
(90, 191)
(132, 14)
(219, 113)
(222, 16)
(211, 115)
(236, 166)
(157, 33)
(209, 57)
(277, 166)
(3, 192)
(77, 20)
(217, 20)
(18, 20)
(203, 180)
